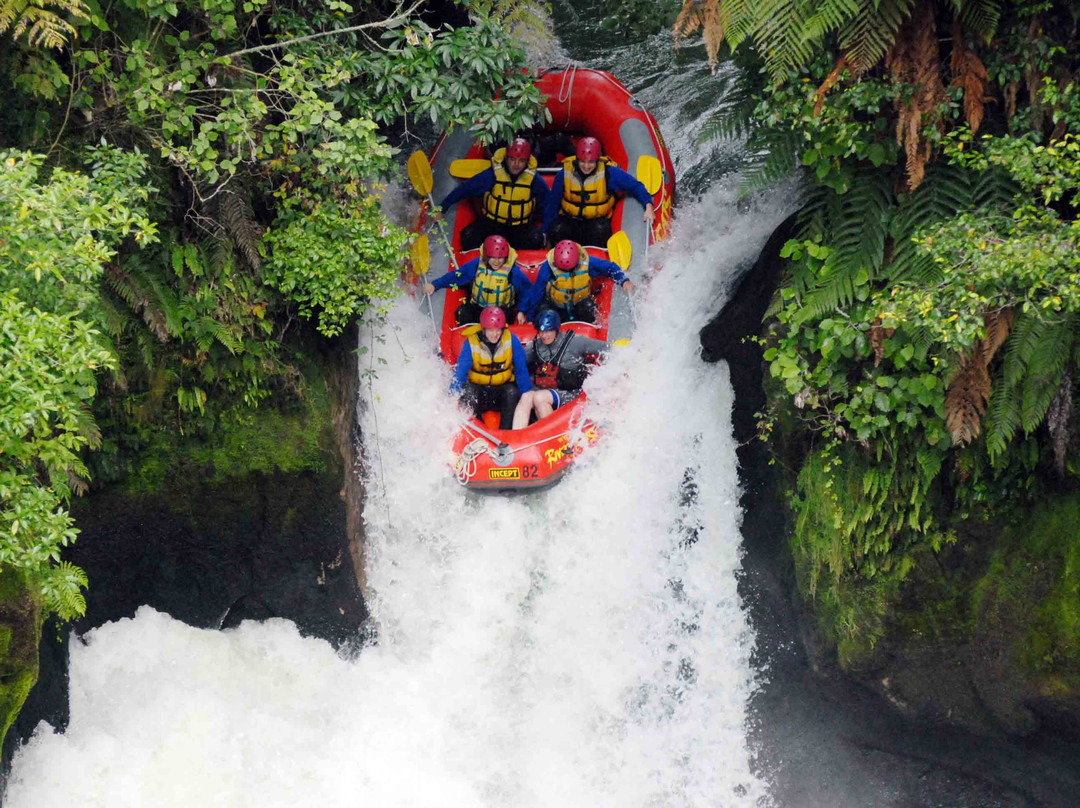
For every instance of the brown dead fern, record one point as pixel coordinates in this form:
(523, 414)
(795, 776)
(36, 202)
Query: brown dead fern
(969, 74)
(914, 61)
(969, 391)
(703, 15)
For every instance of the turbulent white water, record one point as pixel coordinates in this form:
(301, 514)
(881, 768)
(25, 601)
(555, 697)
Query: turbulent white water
(581, 647)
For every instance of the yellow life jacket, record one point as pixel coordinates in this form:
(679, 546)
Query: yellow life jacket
(491, 367)
(569, 287)
(586, 198)
(510, 201)
(491, 288)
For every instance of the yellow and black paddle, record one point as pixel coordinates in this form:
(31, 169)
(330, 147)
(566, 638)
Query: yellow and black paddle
(423, 181)
(619, 249)
(467, 169)
(420, 255)
(650, 174)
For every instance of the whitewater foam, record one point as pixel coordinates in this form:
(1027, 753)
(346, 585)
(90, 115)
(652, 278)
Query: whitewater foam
(581, 647)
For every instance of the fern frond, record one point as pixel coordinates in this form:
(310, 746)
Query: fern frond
(995, 189)
(872, 31)
(1021, 346)
(31, 21)
(736, 119)
(1002, 417)
(239, 220)
(967, 396)
(779, 35)
(61, 586)
(979, 16)
(858, 237)
(829, 17)
(778, 159)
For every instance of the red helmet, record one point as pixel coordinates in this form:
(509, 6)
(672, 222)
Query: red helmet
(566, 254)
(519, 147)
(492, 317)
(496, 247)
(588, 148)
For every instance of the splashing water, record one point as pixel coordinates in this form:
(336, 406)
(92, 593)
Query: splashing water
(580, 647)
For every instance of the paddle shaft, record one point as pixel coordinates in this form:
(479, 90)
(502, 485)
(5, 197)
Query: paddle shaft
(442, 236)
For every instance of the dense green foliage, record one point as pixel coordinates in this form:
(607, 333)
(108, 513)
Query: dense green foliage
(191, 184)
(923, 344)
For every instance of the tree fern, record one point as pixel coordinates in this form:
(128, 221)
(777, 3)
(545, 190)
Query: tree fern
(872, 31)
(979, 16)
(779, 35)
(944, 192)
(857, 237)
(1002, 417)
(1022, 345)
(32, 21)
(778, 159)
(1044, 370)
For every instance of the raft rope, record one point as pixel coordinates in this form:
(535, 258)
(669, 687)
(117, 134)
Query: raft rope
(566, 88)
(465, 468)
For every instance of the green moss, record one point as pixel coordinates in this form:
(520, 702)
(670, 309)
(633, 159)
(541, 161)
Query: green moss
(293, 439)
(20, 636)
(1033, 580)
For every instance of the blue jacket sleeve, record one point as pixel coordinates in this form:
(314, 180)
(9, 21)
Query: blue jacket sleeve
(599, 267)
(530, 301)
(540, 191)
(460, 277)
(522, 284)
(461, 370)
(554, 198)
(521, 370)
(474, 186)
(622, 183)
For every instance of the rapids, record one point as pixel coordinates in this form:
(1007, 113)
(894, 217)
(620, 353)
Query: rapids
(584, 646)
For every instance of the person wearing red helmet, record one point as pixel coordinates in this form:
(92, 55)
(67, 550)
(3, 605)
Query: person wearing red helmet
(491, 373)
(494, 278)
(564, 283)
(583, 196)
(510, 191)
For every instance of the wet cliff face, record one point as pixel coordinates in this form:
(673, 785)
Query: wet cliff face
(212, 556)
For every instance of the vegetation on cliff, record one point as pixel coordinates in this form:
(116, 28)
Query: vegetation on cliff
(185, 185)
(923, 346)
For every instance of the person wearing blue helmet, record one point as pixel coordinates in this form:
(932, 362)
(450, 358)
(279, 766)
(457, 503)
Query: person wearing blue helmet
(557, 362)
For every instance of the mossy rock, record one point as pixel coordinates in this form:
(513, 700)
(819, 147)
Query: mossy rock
(1031, 592)
(20, 635)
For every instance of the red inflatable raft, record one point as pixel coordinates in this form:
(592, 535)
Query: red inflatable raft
(582, 103)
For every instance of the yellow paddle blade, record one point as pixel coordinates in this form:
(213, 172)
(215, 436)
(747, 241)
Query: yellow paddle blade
(420, 254)
(650, 173)
(619, 249)
(466, 169)
(419, 168)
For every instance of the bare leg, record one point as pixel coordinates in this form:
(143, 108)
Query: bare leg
(524, 407)
(543, 404)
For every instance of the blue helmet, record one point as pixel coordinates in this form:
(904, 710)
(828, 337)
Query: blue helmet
(548, 320)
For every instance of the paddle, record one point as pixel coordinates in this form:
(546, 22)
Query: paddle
(420, 255)
(467, 169)
(422, 179)
(650, 174)
(619, 250)
(419, 168)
